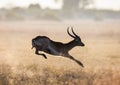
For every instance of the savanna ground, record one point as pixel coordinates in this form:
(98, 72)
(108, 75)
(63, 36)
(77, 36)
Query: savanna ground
(100, 56)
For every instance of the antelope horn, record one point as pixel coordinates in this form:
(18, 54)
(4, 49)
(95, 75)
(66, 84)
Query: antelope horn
(69, 33)
(74, 32)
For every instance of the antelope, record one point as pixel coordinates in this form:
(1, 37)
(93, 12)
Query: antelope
(45, 44)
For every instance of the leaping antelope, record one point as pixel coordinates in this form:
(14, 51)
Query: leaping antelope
(45, 44)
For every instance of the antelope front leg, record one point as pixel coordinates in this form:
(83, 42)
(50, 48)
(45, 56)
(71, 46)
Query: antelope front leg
(37, 52)
(77, 61)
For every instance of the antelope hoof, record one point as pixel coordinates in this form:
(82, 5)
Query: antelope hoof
(82, 65)
(44, 56)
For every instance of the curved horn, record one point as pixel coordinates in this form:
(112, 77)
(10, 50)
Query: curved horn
(69, 33)
(74, 32)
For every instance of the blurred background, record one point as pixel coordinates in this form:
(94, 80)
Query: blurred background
(97, 22)
(60, 10)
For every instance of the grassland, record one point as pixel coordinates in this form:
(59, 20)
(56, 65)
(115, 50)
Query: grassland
(100, 56)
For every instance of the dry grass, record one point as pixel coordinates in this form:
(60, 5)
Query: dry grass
(31, 75)
(101, 55)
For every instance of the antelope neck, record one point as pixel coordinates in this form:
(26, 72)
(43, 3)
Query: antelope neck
(70, 45)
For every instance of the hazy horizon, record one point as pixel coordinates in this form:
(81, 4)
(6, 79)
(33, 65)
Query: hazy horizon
(98, 4)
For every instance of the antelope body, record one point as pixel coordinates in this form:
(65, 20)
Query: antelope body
(45, 44)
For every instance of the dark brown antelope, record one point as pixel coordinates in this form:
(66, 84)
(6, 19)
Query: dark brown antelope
(45, 44)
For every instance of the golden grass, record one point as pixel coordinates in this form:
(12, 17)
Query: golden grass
(31, 75)
(101, 55)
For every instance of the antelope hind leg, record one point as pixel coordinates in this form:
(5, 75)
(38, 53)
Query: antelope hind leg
(37, 52)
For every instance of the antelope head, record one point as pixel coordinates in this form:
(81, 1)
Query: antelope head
(77, 39)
